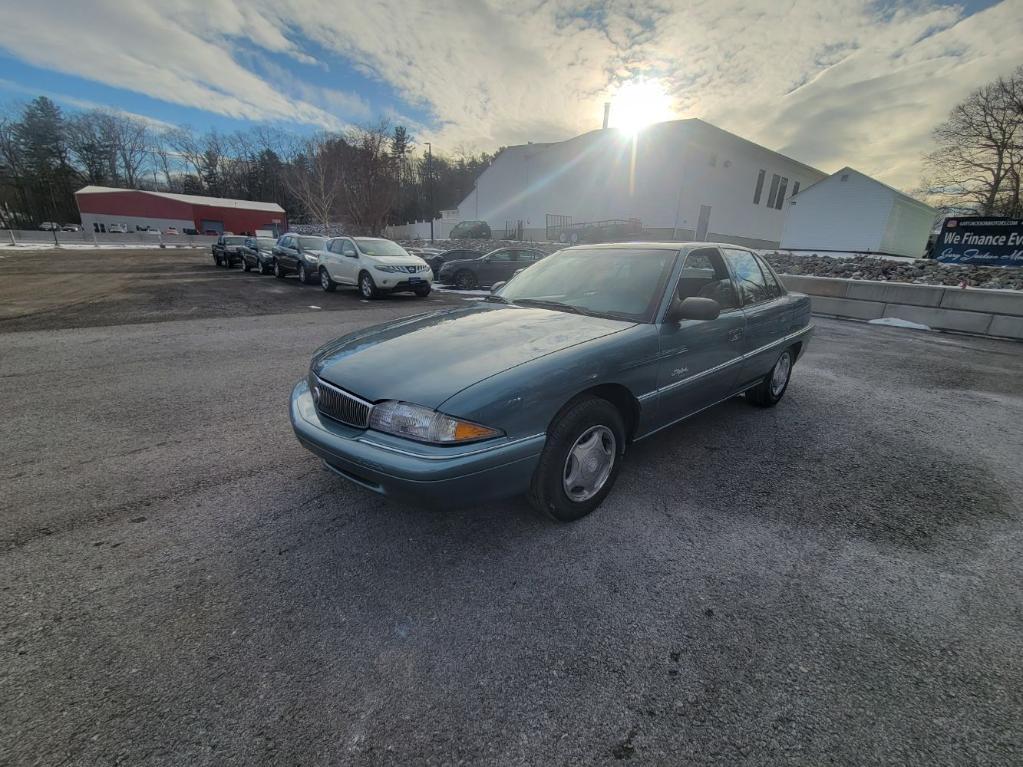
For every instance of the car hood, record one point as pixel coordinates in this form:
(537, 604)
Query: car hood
(428, 358)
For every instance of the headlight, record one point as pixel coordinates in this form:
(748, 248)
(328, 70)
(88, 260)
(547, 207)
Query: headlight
(312, 258)
(423, 268)
(424, 425)
(385, 268)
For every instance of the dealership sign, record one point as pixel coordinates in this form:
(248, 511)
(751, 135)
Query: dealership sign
(984, 241)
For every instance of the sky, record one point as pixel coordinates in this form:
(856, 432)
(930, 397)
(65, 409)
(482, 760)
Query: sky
(827, 82)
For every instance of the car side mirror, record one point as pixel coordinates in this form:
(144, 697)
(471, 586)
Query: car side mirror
(497, 286)
(694, 308)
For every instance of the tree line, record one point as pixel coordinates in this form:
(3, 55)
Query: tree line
(977, 166)
(362, 178)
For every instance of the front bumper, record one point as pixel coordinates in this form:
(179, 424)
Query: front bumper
(425, 475)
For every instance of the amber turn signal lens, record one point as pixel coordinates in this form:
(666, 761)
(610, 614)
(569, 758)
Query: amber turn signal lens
(468, 431)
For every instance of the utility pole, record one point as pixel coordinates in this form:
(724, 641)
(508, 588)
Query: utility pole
(429, 181)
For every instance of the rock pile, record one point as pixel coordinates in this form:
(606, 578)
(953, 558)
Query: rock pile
(920, 271)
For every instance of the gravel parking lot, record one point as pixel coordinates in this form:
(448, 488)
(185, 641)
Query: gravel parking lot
(836, 580)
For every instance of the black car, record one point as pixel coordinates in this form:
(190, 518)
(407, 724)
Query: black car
(258, 254)
(496, 266)
(438, 260)
(470, 230)
(227, 250)
(298, 253)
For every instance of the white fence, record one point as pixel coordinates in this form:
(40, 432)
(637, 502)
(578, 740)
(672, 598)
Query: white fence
(39, 238)
(420, 230)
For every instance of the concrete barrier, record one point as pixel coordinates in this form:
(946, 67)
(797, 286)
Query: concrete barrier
(973, 310)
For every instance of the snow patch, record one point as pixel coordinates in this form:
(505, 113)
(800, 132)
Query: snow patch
(895, 322)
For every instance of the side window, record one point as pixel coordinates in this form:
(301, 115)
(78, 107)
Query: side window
(502, 256)
(704, 275)
(335, 246)
(773, 286)
(752, 285)
(348, 248)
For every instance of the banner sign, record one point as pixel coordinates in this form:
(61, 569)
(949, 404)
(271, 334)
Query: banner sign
(981, 241)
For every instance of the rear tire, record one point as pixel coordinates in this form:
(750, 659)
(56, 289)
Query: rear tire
(368, 288)
(325, 282)
(769, 391)
(594, 428)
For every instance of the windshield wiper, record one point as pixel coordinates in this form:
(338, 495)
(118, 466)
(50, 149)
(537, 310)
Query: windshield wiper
(496, 299)
(555, 305)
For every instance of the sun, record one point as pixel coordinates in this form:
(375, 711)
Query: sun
(638, 103)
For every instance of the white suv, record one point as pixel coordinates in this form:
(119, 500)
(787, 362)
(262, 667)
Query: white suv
(374, 265)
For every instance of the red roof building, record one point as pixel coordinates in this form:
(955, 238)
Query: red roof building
(139, 210)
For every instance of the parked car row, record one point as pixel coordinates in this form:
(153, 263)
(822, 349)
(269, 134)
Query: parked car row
(373, 265)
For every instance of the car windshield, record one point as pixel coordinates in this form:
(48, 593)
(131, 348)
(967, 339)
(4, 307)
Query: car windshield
(312, 243)
(624, 283)
(234, 240)
(372, 246)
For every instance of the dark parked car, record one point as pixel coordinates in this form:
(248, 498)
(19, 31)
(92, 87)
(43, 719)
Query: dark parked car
(496, 266)
(298, 253)
(540, 388)
(438, 260)
(227, 250)
(470, 230)
(258, 254)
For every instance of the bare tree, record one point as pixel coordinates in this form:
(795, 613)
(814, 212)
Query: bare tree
(979, 159)
(132, 147)
(314, 177)
(369, 188)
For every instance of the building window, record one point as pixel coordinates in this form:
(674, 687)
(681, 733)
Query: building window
(781, 193)
(774, 190)
(795, 189)
(845, 177)
(759, 189)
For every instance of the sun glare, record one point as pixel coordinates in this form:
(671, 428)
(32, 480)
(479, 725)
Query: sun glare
(639, 103)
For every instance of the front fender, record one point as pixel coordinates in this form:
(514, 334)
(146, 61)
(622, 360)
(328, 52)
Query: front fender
(523, 400)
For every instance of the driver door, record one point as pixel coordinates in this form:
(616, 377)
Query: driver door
(700, 359)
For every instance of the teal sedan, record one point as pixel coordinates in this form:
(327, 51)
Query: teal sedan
(539, 389)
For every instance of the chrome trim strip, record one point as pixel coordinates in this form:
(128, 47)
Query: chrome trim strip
(434, 457)
(338, 391)
(696, 412)
(723, 365)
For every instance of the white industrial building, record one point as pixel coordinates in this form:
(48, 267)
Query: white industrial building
(850, 211)
(683, 179)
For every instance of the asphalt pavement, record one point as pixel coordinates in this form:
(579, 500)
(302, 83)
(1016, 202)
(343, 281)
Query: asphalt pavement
(833, 581)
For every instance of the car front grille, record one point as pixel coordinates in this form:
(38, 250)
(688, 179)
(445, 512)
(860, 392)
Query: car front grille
(339, 405)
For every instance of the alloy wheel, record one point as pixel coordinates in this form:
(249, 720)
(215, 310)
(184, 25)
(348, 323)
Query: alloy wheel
(780, 374)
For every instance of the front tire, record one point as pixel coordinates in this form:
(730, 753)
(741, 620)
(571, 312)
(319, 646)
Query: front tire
(263, 268)
(466, 280)
(368, 288)
(246, 266)
(303, 274)
(423, 292)
(278, 270)
(769, 391)
(325, 282)
(580, 461)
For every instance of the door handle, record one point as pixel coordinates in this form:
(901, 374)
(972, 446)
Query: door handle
(735, 334)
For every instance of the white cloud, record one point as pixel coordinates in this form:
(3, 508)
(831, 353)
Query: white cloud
(833, 83)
